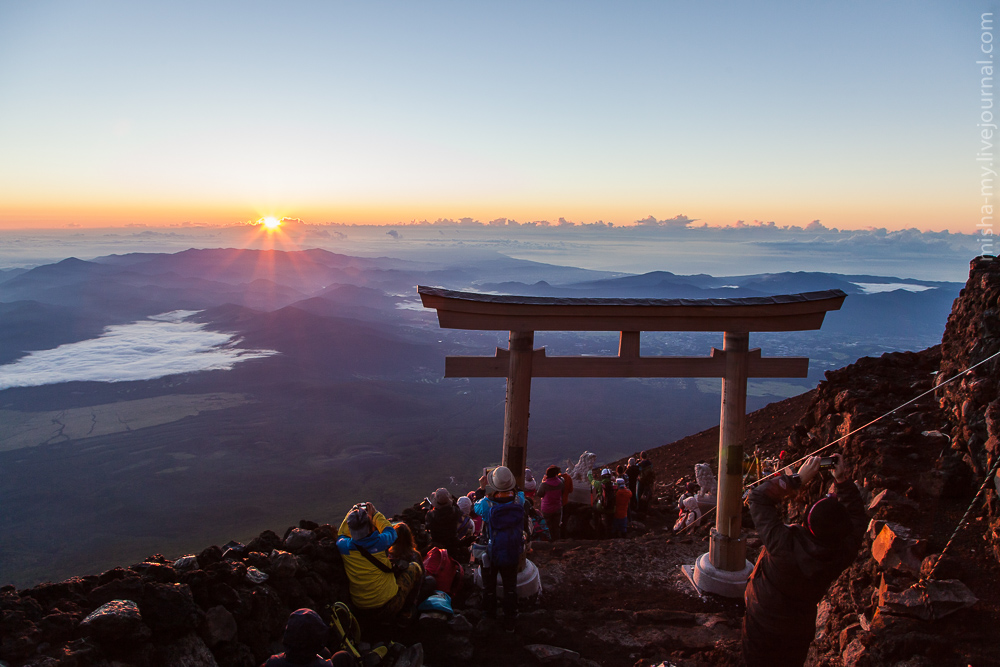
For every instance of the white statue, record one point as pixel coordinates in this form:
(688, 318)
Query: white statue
(707, 483)
(578, 472)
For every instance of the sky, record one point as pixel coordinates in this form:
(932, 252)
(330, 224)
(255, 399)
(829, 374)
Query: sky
(856, 114)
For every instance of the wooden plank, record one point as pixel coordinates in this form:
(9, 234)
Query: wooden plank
(628, 344)
(448, 319)
(640, 367)
(469, 310)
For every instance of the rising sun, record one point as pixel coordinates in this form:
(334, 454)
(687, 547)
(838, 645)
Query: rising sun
(271, 223)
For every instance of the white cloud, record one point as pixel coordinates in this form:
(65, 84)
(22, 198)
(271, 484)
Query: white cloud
(161, 345)
(875, 288)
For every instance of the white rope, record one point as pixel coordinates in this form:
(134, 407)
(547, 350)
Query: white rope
(844, 437)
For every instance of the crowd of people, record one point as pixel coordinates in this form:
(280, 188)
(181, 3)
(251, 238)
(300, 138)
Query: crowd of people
(490, 527)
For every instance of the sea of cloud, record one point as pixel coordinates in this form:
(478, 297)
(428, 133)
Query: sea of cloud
(162, 345)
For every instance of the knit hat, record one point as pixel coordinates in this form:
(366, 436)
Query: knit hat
(828, 520)
(440, 498)
(501, 479)
(631, 461)
(359, 524)
(527, 474)
(465, 504)
(305, 633)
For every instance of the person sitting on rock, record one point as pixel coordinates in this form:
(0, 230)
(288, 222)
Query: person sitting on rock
(550, 498)
(442, 523)
(466, 525)
(404, 549)
(622, 499)
(364, 540)
(305, 644)
(504, 522)
(797, 564)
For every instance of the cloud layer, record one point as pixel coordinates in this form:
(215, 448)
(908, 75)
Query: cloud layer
(161, 345)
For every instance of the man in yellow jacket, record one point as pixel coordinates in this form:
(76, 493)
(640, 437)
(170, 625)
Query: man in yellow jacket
(364, 539)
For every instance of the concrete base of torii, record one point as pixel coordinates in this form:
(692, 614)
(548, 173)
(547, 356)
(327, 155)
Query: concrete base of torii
(709, 579)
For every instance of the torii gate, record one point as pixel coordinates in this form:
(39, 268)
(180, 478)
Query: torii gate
(724, 569)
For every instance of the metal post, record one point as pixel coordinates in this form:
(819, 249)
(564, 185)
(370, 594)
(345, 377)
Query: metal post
(515, 421)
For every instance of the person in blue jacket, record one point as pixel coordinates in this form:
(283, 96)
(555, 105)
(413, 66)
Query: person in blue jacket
(364, 539)
(501, 491)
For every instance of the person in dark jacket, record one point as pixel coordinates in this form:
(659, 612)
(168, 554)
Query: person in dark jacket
(442, 523)
(797, 564)
(305, 644)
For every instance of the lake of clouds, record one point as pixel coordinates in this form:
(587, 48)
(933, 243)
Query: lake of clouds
(161, 345)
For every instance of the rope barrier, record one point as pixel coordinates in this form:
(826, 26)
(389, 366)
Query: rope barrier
(965, 516)
(860, 428)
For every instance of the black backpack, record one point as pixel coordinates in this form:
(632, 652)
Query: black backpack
(608, 495)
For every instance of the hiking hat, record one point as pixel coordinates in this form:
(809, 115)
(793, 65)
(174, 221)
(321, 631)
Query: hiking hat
(620, 482)
(465, 504)
(501, 479)
(359, 524)
(440, 498)
(305, 633)
(827, 520)
(605, 473)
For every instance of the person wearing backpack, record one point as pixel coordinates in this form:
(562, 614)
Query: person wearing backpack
(646, 478)
(504, 520)
(622, 498)
(632, 480)
(603, 501)
(305, 642)
(550, 499)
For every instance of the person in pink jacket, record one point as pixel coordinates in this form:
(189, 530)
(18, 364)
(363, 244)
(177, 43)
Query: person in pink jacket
(550, 494)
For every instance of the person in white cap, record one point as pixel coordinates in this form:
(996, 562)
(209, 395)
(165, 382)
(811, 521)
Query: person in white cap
(504, 522)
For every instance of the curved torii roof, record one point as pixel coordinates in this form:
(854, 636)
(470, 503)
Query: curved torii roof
(492, 312)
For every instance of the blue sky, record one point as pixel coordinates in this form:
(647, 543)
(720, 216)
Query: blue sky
(858, 114)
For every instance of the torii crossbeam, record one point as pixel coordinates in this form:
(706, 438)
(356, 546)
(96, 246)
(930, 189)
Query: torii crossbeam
(724, 569)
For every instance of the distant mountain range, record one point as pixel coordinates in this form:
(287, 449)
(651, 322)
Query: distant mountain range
(356, 388)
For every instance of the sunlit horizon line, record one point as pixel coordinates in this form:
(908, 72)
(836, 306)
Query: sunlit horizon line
(289, 221)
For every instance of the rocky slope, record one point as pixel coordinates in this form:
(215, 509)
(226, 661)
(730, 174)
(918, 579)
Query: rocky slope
(624, 602)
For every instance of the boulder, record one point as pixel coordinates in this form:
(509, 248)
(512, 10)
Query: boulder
(187, 651)
(893, 548)
(170, 609)
(220, 626)
(116, 623)
(297, 539)
(927, 600)
(546, 654)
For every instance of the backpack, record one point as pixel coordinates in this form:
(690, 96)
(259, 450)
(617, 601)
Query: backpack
(607, 495)
(446, 572)
(506, 528)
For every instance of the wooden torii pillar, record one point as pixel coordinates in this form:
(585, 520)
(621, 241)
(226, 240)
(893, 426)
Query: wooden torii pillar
(724, 569)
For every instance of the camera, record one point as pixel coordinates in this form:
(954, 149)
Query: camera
(827, 462)
(361, 507)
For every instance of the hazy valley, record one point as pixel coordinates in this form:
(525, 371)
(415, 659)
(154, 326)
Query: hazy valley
(328, 389)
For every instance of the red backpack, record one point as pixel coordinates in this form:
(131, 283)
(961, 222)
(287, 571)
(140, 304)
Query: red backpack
(445, 570)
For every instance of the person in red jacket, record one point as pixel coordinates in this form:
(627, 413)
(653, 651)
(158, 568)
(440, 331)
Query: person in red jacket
(622, 499)
(797, 564)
